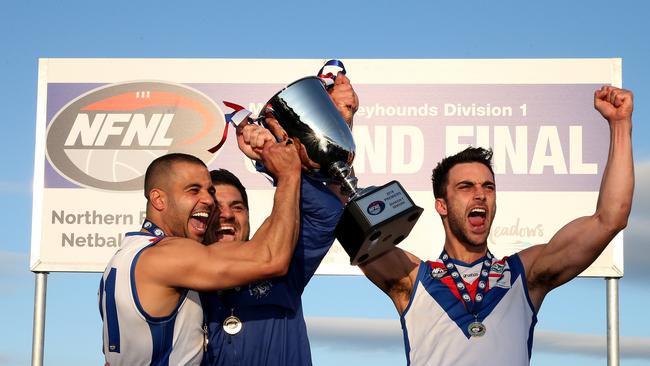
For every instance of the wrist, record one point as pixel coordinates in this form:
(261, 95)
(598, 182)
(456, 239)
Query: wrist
(288, 178)
(625, 123)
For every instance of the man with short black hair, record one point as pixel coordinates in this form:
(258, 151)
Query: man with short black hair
(468, 307)
(150, 309)
(232, 202)
(262, 323)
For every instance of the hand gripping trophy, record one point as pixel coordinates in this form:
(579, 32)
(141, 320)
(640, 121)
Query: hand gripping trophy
(375, 218)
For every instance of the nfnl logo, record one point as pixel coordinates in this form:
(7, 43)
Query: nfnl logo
(376, 207)
(106, 138)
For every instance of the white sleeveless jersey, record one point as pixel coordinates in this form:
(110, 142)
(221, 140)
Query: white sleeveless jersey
(435, 323)
(131, 336)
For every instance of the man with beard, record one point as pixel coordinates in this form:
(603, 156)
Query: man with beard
(468, 307)
(148, 301)
(262, 323)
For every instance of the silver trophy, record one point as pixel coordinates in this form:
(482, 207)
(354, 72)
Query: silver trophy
(375, 218)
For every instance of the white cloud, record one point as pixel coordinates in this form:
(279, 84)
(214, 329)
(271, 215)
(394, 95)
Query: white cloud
(386, 335)
(12, 263)
(7, 359)
(355, 333)
(13, 272)
(589, 345)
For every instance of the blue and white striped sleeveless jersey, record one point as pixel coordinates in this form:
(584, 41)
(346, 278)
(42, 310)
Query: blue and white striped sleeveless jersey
(131, 336)
(435, 322)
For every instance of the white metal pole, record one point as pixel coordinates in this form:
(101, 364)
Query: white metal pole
(612, 322)
(38, 335)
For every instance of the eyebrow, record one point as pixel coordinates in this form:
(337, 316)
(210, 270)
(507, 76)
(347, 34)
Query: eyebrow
(238, 202)
(193, 185)
(465, 182)
(471, 183)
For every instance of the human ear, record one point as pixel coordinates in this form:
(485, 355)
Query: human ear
(158, 199)
(441, 206)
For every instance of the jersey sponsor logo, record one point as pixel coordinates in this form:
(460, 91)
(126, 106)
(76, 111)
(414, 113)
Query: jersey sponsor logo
(470, 275)
(107, 137)
(376, 207)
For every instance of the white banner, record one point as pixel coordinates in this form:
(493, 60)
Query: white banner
(101, 121)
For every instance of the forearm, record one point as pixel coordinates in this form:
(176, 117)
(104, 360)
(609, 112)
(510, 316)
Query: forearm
(572, 249)
(617, 186)
(277, 236)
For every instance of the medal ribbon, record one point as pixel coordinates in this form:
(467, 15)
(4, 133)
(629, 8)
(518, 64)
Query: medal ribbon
(472, 305)
(153, 228)
(238, 115)
(329, 71)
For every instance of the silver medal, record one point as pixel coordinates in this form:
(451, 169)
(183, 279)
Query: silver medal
(232, 325)
(476, 329)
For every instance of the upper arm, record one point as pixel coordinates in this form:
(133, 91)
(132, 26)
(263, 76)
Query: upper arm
(569, 252)
(184, 263)
(394, 272)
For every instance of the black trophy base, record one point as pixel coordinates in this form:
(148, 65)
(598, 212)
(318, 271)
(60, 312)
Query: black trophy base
(376, 221)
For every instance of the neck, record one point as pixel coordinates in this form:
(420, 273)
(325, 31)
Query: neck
(159, 223)
(465, 252)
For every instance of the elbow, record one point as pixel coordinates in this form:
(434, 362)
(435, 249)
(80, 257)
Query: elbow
(621, 224)
(274, 266)
(616, 222)
(277, 268)
(281, 270)
(623, 215)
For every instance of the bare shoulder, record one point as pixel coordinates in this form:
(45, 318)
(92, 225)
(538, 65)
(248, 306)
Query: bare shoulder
(537, 288)
(170, 251)
(529, 255)
(394, 272)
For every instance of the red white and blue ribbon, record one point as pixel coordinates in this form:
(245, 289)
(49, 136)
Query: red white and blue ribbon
(239, 114)
(235, 118)
(329, 71)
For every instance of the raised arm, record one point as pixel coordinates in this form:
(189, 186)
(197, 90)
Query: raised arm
(393, 272)
(347, 103)
(574, 247)
(184, 263)
(344, 97)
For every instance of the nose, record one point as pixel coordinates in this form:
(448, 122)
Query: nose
(479, 193)
(225, 211)
(207, 199)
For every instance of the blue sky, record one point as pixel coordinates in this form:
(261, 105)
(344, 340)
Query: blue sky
(572, 324)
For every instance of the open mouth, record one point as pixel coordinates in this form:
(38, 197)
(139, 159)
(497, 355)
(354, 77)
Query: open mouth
(199, 220)
(225, 231)
(477, 217)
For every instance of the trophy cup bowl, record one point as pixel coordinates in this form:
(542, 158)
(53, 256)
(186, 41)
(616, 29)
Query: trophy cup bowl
(375, 218)
(305, 112)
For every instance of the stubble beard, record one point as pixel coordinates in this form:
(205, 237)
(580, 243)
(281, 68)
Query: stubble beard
(457, 226)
